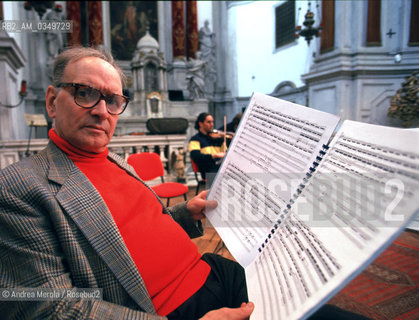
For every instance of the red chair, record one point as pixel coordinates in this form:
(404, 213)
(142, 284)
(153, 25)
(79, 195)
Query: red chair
(196, 172)
(149, 166)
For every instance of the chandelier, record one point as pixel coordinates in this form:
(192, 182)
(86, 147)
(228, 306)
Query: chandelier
(308, 32)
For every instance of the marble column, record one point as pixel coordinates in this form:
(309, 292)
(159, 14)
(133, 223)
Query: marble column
(94, 18)
(178, 29)
(11, 60)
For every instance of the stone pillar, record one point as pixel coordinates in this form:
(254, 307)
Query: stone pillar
(178, 29)
(94, 12)
(191, 28)
(73, 13)
(222, 102)
(11, 60)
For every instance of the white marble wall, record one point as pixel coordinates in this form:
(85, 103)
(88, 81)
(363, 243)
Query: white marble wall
(11, 60)
(356, 81)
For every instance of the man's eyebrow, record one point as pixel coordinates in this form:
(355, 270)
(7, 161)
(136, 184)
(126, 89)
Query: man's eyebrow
(103, 91)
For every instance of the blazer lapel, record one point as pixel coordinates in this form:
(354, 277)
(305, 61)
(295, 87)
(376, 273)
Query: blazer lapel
(86, 207)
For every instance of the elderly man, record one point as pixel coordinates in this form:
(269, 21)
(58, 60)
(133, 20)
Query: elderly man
(77, 216)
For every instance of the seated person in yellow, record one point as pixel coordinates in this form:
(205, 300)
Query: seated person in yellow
(206, 149)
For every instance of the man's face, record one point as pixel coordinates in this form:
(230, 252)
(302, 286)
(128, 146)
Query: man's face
(207, 125)
(86, 129)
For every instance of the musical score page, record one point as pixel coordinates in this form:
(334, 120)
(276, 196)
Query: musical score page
(362, 194)
(275, 145)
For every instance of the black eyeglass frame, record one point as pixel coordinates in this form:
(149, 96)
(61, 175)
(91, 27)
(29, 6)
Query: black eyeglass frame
(77, 86)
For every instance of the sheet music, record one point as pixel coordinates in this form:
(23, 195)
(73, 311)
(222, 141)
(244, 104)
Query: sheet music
(275, 145)
(363, 193)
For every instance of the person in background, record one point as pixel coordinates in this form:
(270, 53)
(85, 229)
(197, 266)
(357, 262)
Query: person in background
(231, 127)
(207, 148)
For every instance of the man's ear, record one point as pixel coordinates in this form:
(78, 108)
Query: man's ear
(50, 100)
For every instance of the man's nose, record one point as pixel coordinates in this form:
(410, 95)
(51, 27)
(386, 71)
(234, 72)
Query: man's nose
(100, 109)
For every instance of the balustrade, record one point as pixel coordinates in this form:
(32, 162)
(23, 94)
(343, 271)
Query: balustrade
(14, 150)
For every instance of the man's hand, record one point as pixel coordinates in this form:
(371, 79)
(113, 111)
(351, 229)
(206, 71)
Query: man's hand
(241, 313)
(198, 204)
(218, 155)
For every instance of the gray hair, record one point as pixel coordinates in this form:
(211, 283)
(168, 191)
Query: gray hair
(73, 54)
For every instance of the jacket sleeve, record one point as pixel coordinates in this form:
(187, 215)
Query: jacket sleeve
(31, 256)
(196, 155)
(182, 216)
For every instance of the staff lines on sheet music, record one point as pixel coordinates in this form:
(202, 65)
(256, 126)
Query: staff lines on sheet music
(266, 139)
(242, 232)
(263, 163)
(283, 264)
(268, 295)
(279, 136)
(317, 246)
(340, 214)
(281, 277)
(306, 250)
(381, 180)
(355, 195)
(314, 262)
(273, 274)
(245, 156)
(287, 131)
(381, 172)
(405, 168)
(331, 168)
(340, 160)
(266, 197)
(331, 214)
(294, 269)
(243, 179)
(273, 137)
(295, 121)
(283, 162)
(284, 279)
(237, 230)
(235, 177)
(383, 203)
(384, 150)
(349, 163)
(269, 138)
(253, 135)
(344, 206)
(298, 251)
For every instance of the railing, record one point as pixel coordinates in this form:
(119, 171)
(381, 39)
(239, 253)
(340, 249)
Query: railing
(13, 150)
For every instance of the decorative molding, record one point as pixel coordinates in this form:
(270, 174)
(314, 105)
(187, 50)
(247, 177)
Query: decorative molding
(10, 52)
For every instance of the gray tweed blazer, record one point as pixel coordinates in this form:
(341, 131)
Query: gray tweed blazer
(57, 232)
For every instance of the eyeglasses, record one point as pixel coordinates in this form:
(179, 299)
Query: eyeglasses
(88, 97)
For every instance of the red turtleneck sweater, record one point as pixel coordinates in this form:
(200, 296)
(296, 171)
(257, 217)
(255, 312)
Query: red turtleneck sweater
(167, 260)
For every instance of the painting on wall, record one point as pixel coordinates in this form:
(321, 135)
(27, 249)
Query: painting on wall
(129, 22)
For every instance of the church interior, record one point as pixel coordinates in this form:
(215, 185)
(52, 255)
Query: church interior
(357, 59)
